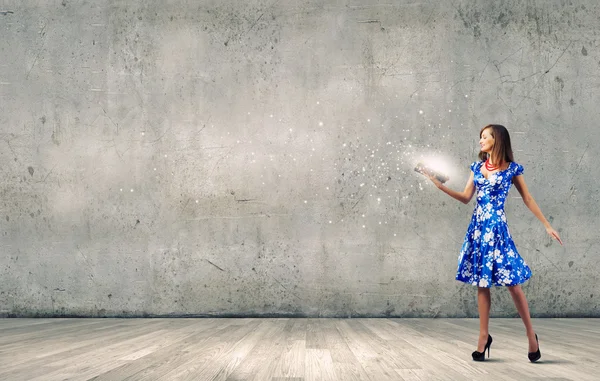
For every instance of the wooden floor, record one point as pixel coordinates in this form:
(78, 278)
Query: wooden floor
(292, 349)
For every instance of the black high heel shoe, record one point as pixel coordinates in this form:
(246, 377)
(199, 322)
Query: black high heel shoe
(534, 356)
(480, 356)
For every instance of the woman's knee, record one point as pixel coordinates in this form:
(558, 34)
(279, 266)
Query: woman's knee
(514, 290)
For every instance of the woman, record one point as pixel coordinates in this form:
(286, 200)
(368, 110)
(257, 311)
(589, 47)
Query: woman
(488, 255)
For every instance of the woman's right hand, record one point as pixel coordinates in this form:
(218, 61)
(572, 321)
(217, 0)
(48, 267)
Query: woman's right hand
(434, 180)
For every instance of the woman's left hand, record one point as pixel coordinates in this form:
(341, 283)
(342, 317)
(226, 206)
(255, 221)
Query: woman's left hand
(554, 234)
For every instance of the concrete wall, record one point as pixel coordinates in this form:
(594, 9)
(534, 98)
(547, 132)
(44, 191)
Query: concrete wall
(255, 158)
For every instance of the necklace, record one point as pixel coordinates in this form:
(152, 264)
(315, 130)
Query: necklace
(491, 167)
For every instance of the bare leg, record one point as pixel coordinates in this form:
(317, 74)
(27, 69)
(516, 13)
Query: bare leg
(484, 303)
(521, 303)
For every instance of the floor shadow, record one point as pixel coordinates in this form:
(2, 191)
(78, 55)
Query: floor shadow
(557, 361)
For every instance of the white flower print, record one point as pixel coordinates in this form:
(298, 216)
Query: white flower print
(483, 282)
(487, 237)
(476, 234)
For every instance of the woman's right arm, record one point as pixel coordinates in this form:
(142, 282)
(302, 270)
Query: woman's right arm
(464, 196)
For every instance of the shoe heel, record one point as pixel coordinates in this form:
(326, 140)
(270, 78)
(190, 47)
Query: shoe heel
(535, 356)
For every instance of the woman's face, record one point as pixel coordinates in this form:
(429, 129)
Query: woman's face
(486, 142)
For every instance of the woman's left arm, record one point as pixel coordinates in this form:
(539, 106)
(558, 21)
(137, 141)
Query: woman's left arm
(533, 206)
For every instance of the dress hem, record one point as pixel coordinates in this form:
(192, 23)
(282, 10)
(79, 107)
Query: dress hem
(494, 285)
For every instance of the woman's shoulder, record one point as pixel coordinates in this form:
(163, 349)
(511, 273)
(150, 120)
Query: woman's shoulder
(516, 167)
(476, 164)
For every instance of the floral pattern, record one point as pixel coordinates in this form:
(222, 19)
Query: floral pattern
(488, 255)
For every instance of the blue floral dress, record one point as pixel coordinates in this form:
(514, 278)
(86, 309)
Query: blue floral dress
(488, 255)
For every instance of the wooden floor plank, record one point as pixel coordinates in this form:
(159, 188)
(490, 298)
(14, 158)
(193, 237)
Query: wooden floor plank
(285, 349)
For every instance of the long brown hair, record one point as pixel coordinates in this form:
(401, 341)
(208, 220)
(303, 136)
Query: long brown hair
(502, 150)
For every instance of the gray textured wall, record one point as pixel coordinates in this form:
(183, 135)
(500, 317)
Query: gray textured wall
(255, 158)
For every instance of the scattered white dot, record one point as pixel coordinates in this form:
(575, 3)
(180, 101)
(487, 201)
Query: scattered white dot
(271, 115)
(320, 124)
(196, 201)
(121, 189)
(421, 112)
(306, 202)
(131, 189)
